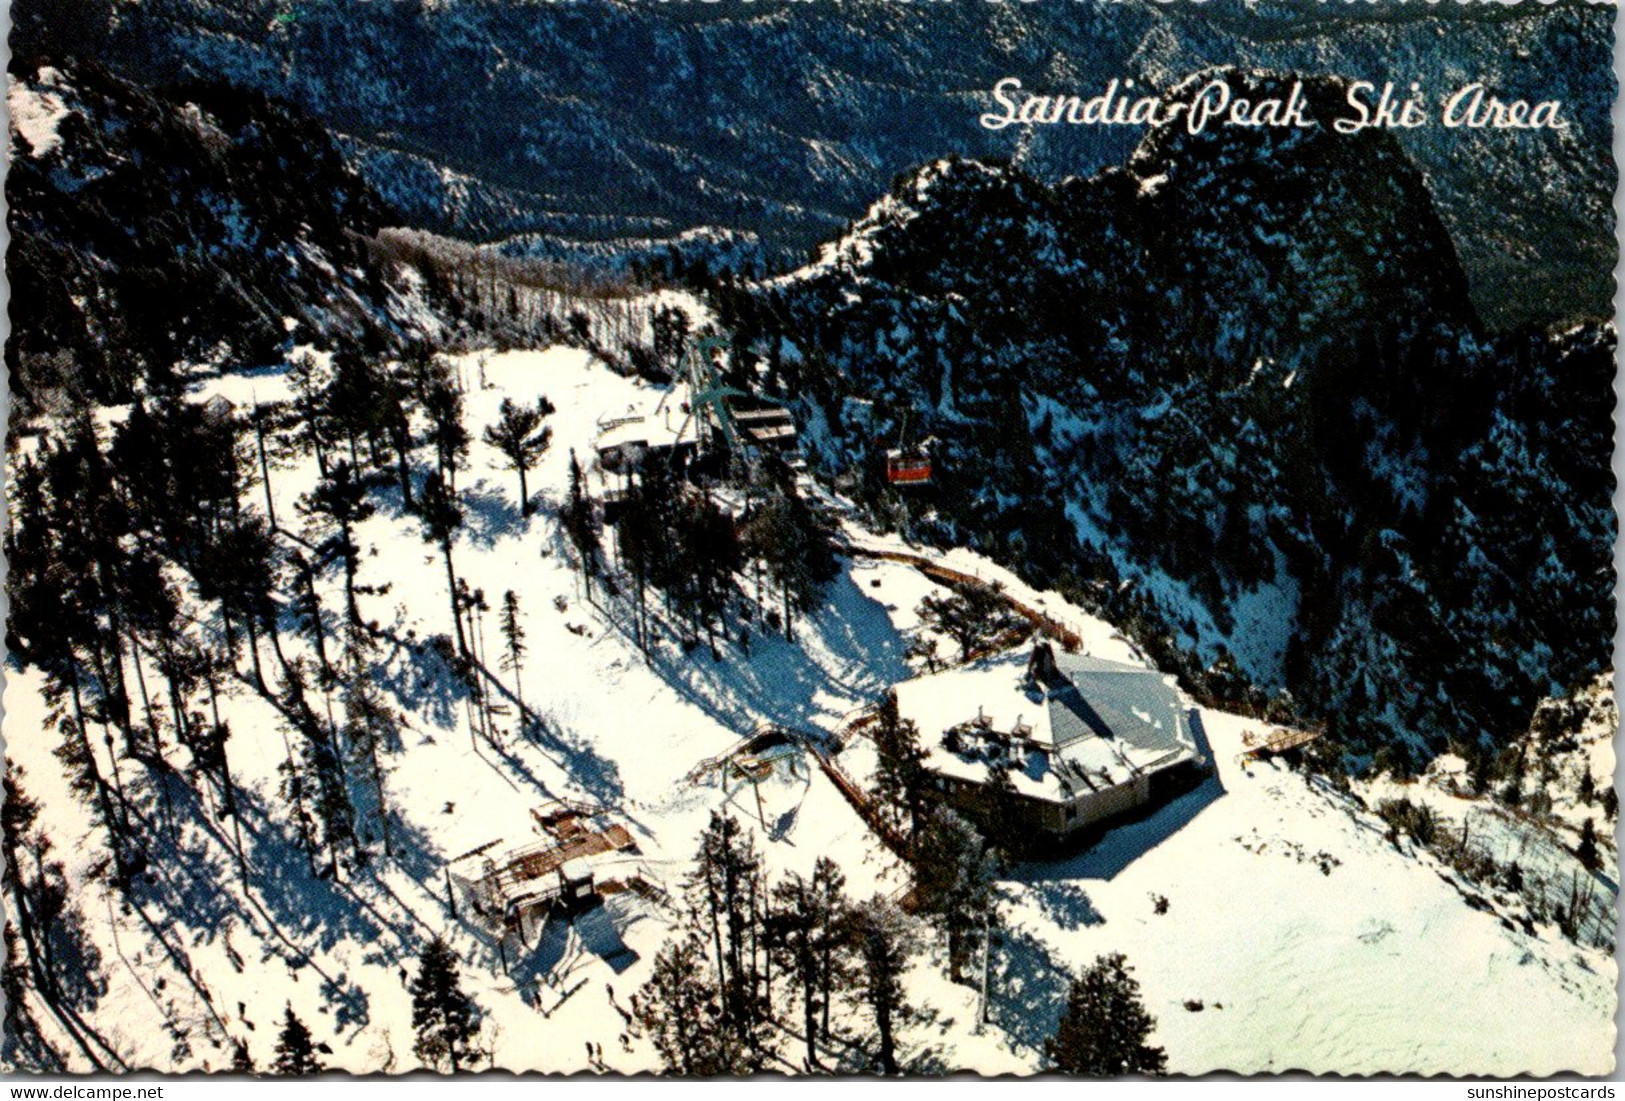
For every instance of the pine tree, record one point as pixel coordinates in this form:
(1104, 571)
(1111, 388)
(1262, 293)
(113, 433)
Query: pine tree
(64, 961)
(309, 384)
(717, 555)
(972, 616)
(473, 602)
(320, 787)
(1003, 814)
(646, 537)
(395, 414)
(18, 815)
(522, 438)
(337, 505)
(307, 610)
(954, 883)
(1586, 851)
(679, 1009)
(446, 1020)
(795, 545)
(670, 326)
(899, 772)
(354, 400)
(295, 1054)
(513, 641)
(582, 527)
(832, 934)
(443, 402)
(371, 727)
(23, 1046)
(241, 1061)
(790, 934)
(1103, 1031)
(207, 743)
(809, 928)
(725, 896)
(238, 568)
(442, 516)
(86, 781)
(884, 945)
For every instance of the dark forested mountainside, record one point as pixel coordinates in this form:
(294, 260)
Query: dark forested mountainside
(620, 119)
(1243, 370)
(154, 229)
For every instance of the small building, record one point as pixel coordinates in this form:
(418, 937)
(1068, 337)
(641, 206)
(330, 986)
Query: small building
(670, 433)
(686, 424)
(770, 428)
(508, 887)
(575, 884)
(1083, 740)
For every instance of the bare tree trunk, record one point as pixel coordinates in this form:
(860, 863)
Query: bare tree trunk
(265, 467)
(456, 612)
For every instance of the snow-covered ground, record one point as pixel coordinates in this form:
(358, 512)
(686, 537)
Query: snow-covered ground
(1308, 939)
(36, 112)
(1311, 942)
(1305, 937)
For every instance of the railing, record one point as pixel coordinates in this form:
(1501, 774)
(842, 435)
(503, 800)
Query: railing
(1045, 624)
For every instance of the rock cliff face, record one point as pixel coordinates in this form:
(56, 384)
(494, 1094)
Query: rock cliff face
(621, 118)
(1243, 372)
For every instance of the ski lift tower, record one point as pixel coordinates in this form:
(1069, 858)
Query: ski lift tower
(708, 400)
(708, 395)
(756, 768)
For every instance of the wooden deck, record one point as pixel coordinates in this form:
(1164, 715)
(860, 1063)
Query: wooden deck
(1277, 743)
(538, 863)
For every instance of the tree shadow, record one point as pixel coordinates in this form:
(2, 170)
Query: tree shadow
(199, 890)
(598, 776)
(420, 679)
(489, 514)
(1027, 989)
(1066, 904)
(845, 653)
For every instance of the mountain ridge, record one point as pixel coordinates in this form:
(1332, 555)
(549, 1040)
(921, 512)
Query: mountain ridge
(782, 123)
(1121, 388)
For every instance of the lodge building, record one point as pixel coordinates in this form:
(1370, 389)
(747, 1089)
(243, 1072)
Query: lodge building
(1084, 740)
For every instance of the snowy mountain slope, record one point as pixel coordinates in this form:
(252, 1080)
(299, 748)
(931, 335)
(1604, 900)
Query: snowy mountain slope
(198, 961)
(455, 793)
(785, 122)
(1297, 935)
(1312, 944)
(1336, 481)
(228, 260)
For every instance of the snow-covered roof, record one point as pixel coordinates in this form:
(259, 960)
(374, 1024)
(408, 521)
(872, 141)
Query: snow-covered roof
(1097, 725)
(667, 425)
(667, 429)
